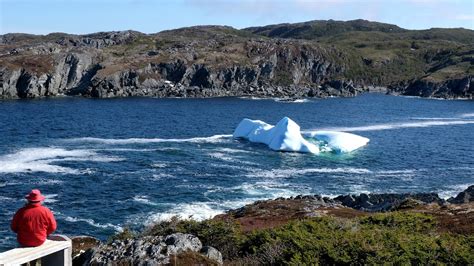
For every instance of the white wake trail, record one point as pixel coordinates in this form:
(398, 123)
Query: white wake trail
(468, 115)
(211, 139)
(390, 126)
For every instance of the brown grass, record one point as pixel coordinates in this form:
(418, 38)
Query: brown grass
(191, 258)
(451, 218)
(275, 213)
(39, 64)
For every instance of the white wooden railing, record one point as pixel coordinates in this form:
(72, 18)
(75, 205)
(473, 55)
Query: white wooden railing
(57, 250)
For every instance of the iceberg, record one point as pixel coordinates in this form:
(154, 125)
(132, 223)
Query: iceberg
(338, 142)
(286, 136)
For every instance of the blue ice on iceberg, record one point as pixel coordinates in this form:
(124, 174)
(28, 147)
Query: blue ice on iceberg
(339, 142)
(286, 136)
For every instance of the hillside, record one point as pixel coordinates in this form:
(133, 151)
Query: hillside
(310, 59)
(322, 28)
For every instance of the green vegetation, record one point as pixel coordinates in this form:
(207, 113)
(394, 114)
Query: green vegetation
(382, 53)
(332, 29)
(127, 233)
(393, 238)
(283, 78)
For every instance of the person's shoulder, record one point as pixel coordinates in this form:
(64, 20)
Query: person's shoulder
(22, 209)
(44, 208)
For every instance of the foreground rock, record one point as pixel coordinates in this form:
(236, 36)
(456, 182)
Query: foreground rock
(81, 244)
(147, 250)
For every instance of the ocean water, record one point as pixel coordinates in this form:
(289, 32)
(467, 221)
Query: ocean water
(105, 164)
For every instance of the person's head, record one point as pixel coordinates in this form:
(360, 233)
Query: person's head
(35, 196)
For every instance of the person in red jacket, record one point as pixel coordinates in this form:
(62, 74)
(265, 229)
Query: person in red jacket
(34, 222)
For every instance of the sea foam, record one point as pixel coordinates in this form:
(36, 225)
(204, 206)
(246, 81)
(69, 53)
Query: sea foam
(144, 200)
(206, 210)
(211, 139)
(50, 198)
(452, 191)
(196, 211)
(43, 159)
(92, 223)
(284, 173)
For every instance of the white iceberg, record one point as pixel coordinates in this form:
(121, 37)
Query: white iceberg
(286, 136)
(339, 142)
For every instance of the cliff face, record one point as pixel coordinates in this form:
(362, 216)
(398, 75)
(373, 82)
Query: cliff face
(449, 89)
(209, 61)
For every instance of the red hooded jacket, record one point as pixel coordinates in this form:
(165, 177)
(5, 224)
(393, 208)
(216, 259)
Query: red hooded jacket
(33, 223)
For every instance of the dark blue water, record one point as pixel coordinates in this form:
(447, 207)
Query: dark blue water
(106, 164)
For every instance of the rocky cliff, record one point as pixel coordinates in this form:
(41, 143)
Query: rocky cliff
(208, 61)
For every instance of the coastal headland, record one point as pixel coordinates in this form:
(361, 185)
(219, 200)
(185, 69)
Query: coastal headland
(310, 59)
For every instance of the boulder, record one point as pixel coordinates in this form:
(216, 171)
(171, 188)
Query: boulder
(82, 243)
(180, 242)
(464, 197)
(212, 254)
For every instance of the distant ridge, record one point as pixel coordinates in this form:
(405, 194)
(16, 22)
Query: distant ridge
(321, 28)
(327, 28)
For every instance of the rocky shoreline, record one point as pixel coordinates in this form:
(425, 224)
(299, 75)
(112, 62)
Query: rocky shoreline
(453, 216)
(217, 61)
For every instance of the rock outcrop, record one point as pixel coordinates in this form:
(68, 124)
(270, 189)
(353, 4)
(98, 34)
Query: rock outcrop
(448, 89)
(276, 72)
(385, 202)
(147, 250)
(465, 196)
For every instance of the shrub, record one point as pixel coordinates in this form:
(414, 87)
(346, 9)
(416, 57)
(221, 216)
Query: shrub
(127, 233)
(394, 238)
(399, 238)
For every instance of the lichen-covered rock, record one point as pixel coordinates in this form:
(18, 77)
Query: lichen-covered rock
(146, 250)
(180, 242)
(141, 251)
(212, 254)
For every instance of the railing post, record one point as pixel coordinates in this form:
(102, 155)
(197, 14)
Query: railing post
(62, 257)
